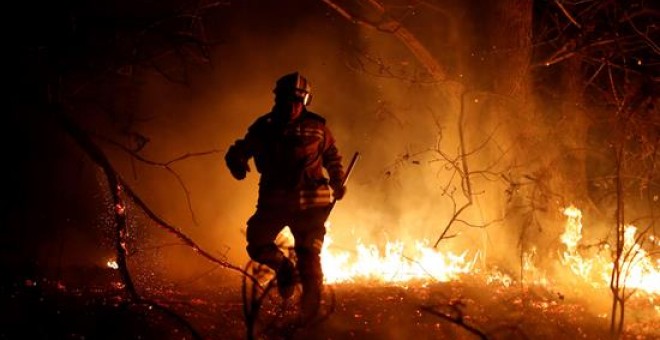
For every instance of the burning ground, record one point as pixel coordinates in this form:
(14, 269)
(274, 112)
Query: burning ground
(46, 309)
(371, 293)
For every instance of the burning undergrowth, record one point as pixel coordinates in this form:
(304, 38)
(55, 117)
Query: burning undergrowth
(398, 262)
(393, 291)
(567, 294)
(366, 310)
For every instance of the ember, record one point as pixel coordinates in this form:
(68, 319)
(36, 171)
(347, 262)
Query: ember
(112, 264)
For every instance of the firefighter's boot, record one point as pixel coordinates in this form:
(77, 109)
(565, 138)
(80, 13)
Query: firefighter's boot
(286, 279)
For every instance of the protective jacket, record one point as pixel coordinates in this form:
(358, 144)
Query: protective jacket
(290, 155)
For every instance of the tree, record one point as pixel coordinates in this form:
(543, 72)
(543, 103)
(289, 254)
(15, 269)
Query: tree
(610, 48)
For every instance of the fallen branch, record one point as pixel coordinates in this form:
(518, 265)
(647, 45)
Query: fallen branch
(456, 320)
(117, 185)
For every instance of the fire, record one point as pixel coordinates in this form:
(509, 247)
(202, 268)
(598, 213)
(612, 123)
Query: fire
(390, 264)
(639, 271)
(571, 237)
(112, 264)
(396, 262)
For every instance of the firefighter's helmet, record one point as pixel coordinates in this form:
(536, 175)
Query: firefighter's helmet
(295, 87)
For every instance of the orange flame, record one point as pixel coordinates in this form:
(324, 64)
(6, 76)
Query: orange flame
(638, 268)
(112, 264)
(390, 264)
(386, 265)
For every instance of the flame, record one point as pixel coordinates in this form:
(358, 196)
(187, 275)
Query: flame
(398, 262)
(389, 264)
(638, 270)
(497, 277)
(112, 264)
(533, 274)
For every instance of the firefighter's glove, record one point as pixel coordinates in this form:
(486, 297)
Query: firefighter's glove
(237, 164)
(338, 190)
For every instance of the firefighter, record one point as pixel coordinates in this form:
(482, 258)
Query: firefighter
(291, 146)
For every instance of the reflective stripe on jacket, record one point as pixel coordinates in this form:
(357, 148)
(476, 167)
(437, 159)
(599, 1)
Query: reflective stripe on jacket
(292, 200)
(291, 157)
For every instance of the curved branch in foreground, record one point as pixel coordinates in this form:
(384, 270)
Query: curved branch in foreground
(100, 159)
(166, 166)
(183, 237)
(116, 185)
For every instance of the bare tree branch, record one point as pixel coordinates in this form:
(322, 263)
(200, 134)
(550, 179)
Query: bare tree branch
(389, 25)
(166, 166)
(568, 14)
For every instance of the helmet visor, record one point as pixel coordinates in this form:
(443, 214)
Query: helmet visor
(303, 96)
(298, 95)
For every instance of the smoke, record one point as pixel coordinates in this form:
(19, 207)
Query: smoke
(408, 183)
(396, 122)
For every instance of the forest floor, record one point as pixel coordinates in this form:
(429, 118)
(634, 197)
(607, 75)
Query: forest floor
(41, 308)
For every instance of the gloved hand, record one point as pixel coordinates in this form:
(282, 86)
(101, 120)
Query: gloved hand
(338, 190)
(237, 165)
(239, 171)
